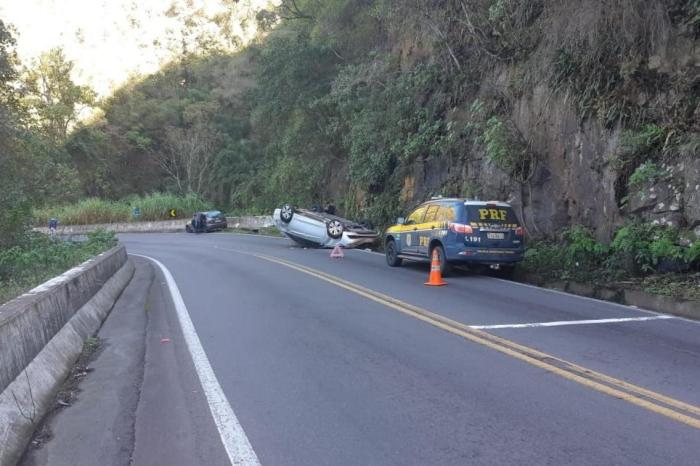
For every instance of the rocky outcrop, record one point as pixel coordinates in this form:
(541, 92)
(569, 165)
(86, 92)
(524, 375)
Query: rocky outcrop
(578, 177)
(673, 199)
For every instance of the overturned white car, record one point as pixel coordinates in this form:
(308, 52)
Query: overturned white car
(320, 229)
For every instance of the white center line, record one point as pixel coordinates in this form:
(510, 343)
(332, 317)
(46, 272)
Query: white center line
(572, 322)
(236, 443)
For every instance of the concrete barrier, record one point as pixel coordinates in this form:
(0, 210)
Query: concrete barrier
(165, 226)
(250, 222)
(666, 304)
(630, 297)
(41, 336)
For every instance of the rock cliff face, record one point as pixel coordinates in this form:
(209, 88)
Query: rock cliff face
(579, 112)
(582, 124)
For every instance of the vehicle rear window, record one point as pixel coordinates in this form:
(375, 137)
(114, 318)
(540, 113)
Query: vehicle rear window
(416, 216)
(492, 215)
(447, 214)
(430, 214)
(213, 213)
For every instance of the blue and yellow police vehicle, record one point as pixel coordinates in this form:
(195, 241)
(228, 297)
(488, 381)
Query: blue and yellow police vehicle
(463, 231)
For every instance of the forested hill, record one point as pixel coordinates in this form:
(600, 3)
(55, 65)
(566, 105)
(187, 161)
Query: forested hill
(578, 112)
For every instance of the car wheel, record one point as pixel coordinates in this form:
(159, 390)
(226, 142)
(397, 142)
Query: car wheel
(445, 267)
(334, 229)
(287, 213)
(188, 229)
(392, 254)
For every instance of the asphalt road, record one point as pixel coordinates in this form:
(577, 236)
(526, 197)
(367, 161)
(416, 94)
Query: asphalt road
(339, 362)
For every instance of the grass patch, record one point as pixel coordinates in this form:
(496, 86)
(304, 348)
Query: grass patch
(685, 286)
(38, 259)
(152, 207)
(87, 211)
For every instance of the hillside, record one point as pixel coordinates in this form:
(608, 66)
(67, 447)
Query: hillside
(579, 113)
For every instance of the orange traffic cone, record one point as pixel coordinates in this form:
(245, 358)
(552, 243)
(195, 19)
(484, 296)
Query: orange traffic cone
(435, 277)
(337, 252)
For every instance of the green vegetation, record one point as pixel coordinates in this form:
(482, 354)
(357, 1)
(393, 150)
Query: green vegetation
(34, 166)
(332, 104)
(639, 157)
(645, 173)
(38, 259)
(86, 211)
(37, 108)
(371, 105)
(94, 210)
(91, 344)
(636, 250)
(685, 285)
(54, 99)
(578, 254)
(645, 141)
(648, 246)
(638, 146)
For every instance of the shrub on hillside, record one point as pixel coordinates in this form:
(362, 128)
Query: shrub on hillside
(39, 258)
(645, 248)
(636, 249)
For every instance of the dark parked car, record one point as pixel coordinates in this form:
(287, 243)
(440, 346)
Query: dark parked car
(215, 220)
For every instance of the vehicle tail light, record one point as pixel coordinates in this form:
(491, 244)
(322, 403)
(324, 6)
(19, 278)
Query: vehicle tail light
(519, 231)
(461, 228)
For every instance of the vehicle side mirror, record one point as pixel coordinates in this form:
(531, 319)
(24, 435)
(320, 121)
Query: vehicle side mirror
(401, 220)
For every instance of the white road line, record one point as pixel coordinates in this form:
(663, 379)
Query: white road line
(236, 443)
(571, 322)
(572, 295)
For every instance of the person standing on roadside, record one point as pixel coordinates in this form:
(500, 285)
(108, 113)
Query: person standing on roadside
(202, 222)
(53, 226)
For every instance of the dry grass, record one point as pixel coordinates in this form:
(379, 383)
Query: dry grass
(93, 210)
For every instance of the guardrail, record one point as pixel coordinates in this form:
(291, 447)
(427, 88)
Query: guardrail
(250, 222)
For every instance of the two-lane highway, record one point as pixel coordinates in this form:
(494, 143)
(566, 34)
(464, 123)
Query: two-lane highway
(352, 362)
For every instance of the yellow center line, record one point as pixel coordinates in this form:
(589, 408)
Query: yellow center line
(642, 397)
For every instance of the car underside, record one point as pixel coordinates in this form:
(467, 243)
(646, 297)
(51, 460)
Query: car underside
(314, 228)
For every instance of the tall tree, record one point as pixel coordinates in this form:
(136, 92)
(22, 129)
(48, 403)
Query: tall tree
(8, 74)
(53, 100)
(188, 156)
(14, 205)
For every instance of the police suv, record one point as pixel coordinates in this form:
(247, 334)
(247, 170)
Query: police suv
(477, 233)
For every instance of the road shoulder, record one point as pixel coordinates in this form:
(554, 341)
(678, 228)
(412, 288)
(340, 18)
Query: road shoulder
(98, 427)
(141, 402)
(173, 422)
